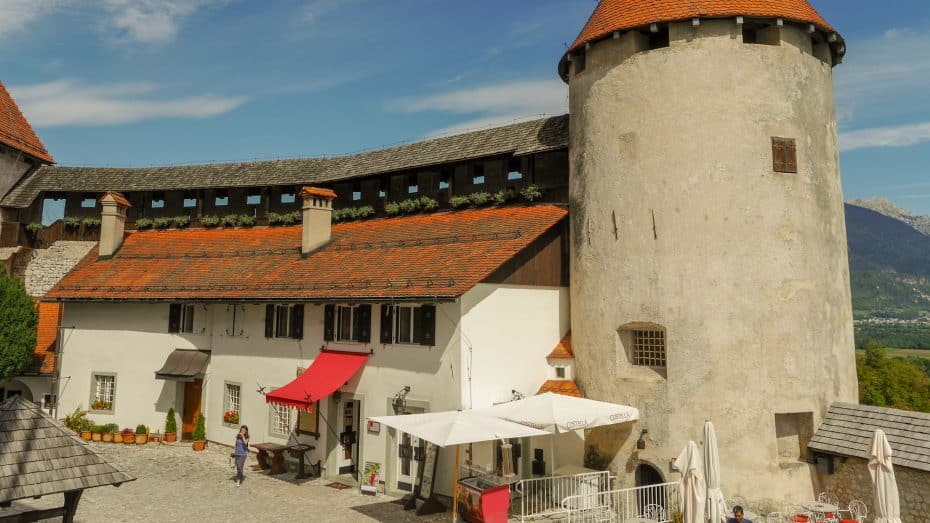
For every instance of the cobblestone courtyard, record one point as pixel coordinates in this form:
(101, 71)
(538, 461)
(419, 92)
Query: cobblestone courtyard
(176, 484)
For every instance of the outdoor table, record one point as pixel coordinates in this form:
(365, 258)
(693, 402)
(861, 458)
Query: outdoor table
(819, 507)
(300, 450)
(277, 457)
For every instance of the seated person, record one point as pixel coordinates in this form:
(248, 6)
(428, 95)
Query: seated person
(738, 516)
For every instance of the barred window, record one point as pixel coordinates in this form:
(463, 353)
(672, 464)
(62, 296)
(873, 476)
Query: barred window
(104, 392)
(232, 403)
(649, 348)
(280, 419)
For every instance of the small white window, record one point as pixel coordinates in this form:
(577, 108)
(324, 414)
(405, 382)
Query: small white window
(560, 372)
(104, 392)
(403, 324)
(232, 403)
(280, 422)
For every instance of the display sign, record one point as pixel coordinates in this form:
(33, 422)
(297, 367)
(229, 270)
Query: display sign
(424, 488)
(374, 427)
(371, 476)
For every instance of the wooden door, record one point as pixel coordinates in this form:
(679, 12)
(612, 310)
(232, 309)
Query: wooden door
(192, 395)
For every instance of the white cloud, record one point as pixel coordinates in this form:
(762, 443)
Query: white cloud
(892, 136)
(490, 105)
(68, 102)
(16, 15)
(312, 11)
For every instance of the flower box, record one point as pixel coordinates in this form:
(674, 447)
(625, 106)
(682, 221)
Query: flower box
(231, 417)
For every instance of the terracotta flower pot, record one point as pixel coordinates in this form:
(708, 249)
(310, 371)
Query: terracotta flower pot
(129, 438)
(142, 439)
(96, 436)
(171, 437)
(117, 438)
(85, 435)
(199, 445)
(107, 437)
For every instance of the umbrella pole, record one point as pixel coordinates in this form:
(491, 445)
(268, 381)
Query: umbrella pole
(552, 452)
(455, 488)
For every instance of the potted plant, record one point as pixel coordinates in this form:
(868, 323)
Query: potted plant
(129, 437)
(75, 420)
(142, 435)
(108, 431)
(117, 436)
(101, 405)
(86, 426)
(200, 433)
(96, 433)
(171, 427)
(231, 417)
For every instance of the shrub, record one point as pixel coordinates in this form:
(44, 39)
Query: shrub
(293, 217)
(140, 429)
(230, 220)
(343, 214)
(72, 222)
(501, 197)
(200, 432)
(171, 424)
(75, 420)
(410, 205)
(246, 220)
(18, 320)
(87, 424)
(126, 431)
(364, 211)
(34, 227)
(96, 429)
(531, 193)
(143, 223)
(480, 198)
(110, 428)
(428, 204)
(210, 220)
(91, 223)
(181, 221)
(161, 223)
(392, 208)
(275, 218)
(459, 201)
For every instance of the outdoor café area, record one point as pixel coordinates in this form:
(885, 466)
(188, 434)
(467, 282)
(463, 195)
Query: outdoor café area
(571, 493)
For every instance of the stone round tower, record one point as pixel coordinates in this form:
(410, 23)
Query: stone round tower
(709, 276)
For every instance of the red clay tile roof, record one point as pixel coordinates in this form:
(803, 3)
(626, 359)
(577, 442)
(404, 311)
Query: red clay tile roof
(117, 197)
(438, 256)
(16, 132)
(564, 387)
(46, 336)
(564, 349)
(620, 15)
(316, 191)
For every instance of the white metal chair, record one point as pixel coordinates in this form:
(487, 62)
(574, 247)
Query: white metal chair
(857, 511)
(828, 497)
(798, 514)
(775, 517)
(654, 512)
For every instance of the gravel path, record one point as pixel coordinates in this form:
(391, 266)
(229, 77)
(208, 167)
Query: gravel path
(174, 483)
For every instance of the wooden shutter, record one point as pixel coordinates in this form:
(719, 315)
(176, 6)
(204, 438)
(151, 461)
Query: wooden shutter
(329, 322)
(364, 323)
(297, 321)
(387, 323)
(428, 327)
(784, 155)
(269, 321)
(174, 318)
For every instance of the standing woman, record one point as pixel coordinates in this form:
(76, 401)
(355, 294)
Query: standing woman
(242, 452)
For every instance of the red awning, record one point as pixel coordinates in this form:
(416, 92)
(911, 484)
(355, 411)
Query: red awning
(329, 371)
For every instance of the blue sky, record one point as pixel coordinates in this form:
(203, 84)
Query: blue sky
(147, 82)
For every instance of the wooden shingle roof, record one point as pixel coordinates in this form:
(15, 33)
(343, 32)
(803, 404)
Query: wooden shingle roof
(541, 135)
(39, 456)
(16, 132)
(848, 428)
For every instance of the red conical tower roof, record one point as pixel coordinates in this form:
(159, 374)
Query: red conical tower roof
(16, 132)
(620, 15)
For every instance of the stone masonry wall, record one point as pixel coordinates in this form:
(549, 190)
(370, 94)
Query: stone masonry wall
(48, 266)
(851, 481)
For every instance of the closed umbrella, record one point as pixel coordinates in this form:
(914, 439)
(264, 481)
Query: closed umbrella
(692, 493)
(716, 505)
(560, 413)
(887, 504)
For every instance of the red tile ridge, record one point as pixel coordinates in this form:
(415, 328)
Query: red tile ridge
(116, 197)
(564, 387)
(307, 192)
(563, 350)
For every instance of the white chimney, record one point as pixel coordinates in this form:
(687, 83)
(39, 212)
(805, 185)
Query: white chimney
(317, 218)
(112, 223)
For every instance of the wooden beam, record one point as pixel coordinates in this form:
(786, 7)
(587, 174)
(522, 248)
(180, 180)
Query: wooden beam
(34, 515)
(71, 503)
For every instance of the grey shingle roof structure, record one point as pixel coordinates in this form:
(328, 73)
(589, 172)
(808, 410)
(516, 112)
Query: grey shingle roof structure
(847, 431)
(545, 134)
(39, 456)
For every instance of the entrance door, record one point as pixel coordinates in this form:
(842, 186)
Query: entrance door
(647, 475)
(192, 395)
(347, 452)
(409, 455)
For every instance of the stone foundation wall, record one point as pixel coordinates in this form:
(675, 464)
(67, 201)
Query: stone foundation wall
(851, 481)
(46, 267)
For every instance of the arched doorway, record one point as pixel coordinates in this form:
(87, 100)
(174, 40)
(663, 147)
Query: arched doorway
(11, 388)
(647, 475)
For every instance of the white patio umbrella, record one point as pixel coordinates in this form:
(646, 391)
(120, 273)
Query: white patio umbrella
(560, 413)
(692, 492)
(887, 504)
(716, 504)
(457, 427)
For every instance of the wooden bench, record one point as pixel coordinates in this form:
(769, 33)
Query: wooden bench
(276, 463)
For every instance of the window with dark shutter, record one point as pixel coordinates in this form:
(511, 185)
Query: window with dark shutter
(297, 322)
(784, 155)
(364, 323)
(428, 328)
(269, 321)
(174, 318)
(387, 323)
(329, 322)
(418, 325)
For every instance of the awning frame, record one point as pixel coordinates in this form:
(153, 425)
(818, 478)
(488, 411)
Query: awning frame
(181, 363)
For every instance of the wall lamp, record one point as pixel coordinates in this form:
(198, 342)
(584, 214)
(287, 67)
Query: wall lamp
(641, 443)
(399, 403)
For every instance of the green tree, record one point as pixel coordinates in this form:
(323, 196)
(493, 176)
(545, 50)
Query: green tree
(18, 319)
(892, 382)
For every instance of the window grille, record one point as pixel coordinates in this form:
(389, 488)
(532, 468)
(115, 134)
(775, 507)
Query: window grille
(649, 348)
(106, 388)
(232, 398)
(280, 419)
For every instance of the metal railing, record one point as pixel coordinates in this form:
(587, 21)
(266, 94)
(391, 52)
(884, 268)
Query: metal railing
(543, 497)
(657, 503)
